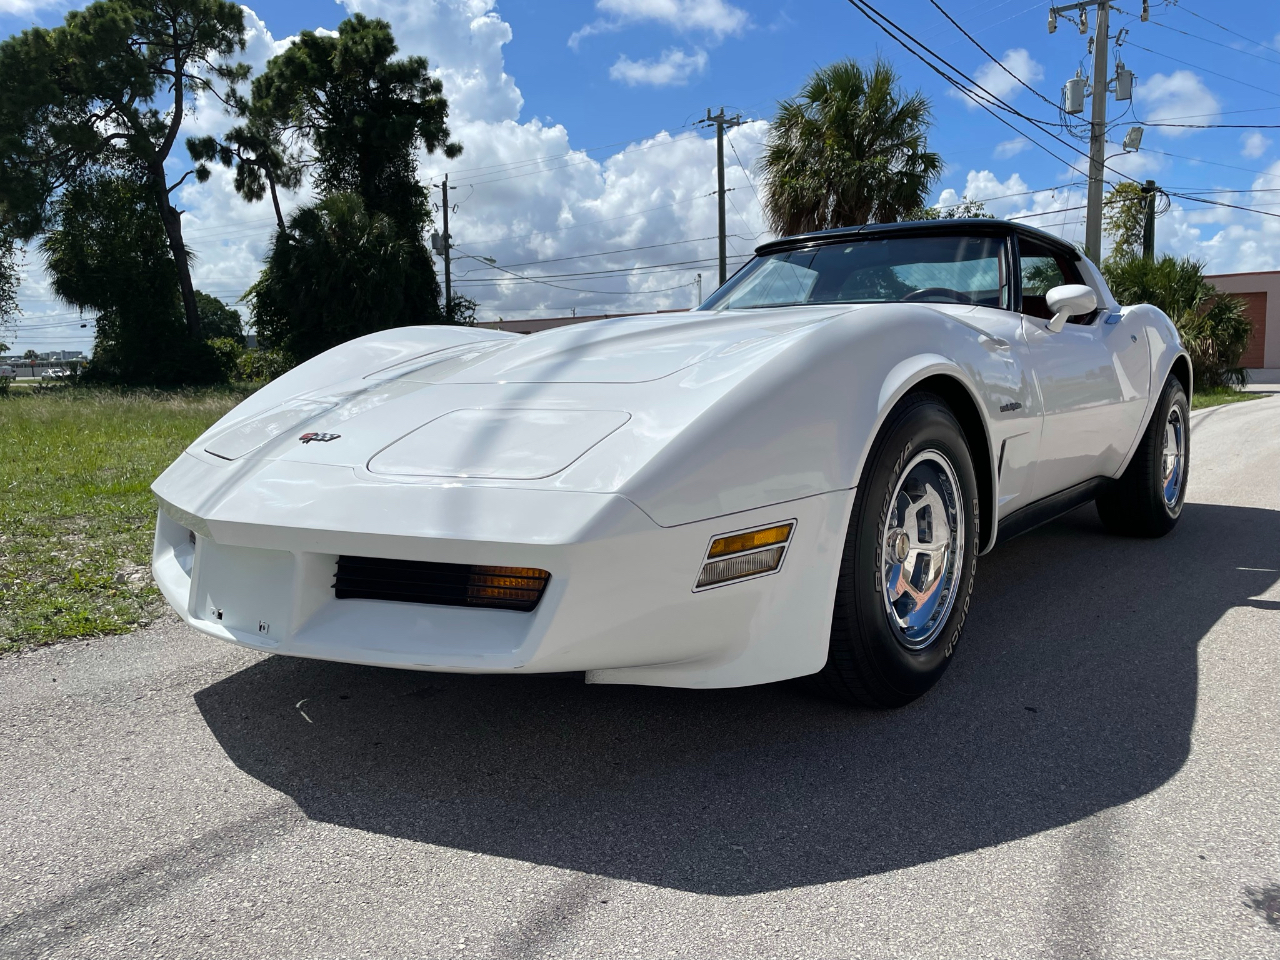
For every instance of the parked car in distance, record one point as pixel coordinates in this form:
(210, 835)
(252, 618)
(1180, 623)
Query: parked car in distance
(55, 373)
(8, 371)
(795, 479)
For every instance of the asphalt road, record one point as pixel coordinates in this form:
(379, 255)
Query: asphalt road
(1098, 775)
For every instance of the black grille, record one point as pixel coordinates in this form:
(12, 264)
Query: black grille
(447, 584)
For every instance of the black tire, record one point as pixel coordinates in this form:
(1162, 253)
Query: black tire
(1135, 505)
(868, 663)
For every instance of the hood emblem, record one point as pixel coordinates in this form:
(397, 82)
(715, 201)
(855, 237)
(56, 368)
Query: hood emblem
(319, 437)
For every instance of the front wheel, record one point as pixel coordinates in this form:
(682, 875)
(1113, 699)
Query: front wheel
(1147, 499)
(909, 560)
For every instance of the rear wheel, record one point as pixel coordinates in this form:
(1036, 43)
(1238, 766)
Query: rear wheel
(909, 560)
(1147, 499)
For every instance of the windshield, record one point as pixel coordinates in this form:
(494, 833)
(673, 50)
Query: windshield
(931, 269)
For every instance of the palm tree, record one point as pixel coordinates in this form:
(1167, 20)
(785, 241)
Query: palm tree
(850, 149)
(339, 271)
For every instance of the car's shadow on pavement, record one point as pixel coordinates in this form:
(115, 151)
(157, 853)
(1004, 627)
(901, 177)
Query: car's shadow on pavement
(1074, 690)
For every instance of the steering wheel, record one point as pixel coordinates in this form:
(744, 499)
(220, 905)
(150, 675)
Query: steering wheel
(946, 294)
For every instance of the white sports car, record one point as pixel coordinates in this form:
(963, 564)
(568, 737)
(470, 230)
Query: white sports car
(795, 479)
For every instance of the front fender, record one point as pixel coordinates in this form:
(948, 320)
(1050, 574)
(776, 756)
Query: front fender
(802, 423)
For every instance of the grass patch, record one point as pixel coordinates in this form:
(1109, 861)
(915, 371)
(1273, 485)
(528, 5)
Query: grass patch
(1221, 395)
(77, 515)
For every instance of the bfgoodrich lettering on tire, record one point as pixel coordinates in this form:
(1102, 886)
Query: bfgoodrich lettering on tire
(909, 560)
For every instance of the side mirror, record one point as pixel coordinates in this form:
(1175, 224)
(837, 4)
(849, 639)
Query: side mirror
(1069, 300)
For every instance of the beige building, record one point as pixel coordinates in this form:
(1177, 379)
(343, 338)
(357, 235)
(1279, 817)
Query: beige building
(1261, 295)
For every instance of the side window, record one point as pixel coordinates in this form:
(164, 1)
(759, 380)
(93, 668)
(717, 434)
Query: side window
(1042, 270)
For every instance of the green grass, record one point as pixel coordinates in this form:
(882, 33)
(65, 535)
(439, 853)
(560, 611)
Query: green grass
(1220, 395)
(76, 512)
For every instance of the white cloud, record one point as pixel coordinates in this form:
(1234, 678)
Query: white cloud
(673, 68)
(24, 8)
(1254, 145)
(995, 79)
(512, 205)
(714, 17)
(1010, 148)
(1175, 97)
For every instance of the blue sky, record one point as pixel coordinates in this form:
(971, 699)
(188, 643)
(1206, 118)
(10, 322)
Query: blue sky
(625, 80)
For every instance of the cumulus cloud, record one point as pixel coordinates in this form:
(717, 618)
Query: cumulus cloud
(1010, 148)
(714, 17)
(1175, 97)
(1253, 145)
(528, 192)
(996, 79)
(673, 68)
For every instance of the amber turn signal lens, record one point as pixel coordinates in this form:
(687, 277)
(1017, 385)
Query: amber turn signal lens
(740, 542)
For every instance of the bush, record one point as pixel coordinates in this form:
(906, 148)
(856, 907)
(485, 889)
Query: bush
(228, 354)
(263, 365)
(1213, 325)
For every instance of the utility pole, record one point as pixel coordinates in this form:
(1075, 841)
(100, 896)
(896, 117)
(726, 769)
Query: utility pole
(1149, 226)
(1098, 114)
(722, 123)
(1097, 138)
(699, 303)
(445, 244)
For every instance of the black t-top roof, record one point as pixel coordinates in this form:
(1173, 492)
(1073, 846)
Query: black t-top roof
(981, 226)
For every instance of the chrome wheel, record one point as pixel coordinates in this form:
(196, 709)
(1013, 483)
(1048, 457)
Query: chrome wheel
(1174, 457)
(923, 549)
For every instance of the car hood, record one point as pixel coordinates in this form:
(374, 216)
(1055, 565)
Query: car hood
(621, 350)
(514, 407)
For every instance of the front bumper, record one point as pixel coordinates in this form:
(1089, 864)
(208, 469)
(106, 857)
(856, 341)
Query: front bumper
(257, 569)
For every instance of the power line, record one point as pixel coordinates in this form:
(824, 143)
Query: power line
(937, 6)
(875, 16)
(1196, 36)
(1188, 63)
(1212, 126)
(1213, 163)
(744, 170)
(610, 272)
(603, 253)
(1006, 196)
(1221, 203)
(575, 289)
(1214, 23)
(587, 223)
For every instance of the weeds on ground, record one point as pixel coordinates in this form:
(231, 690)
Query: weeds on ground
(76, 511)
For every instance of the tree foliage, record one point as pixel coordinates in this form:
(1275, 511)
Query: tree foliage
(108, 253)
(10, 279)
(356, 261)
(107, 92)
(362, 113)
(965, 209)
(1124, 219)
(256, 149)
(340, 271)
(1213, 326)
(218, 321)
(851, 148)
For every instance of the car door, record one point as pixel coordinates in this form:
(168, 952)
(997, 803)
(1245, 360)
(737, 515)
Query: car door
(1093, 377)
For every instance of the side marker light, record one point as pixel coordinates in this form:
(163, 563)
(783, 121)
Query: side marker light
(741, 555)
